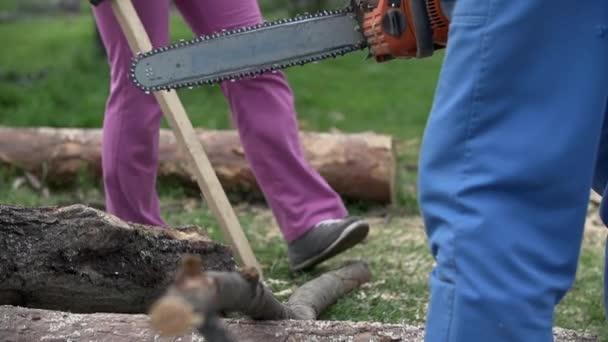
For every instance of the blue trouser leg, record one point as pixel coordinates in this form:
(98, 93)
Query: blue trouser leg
(507, 162)
(600, 182)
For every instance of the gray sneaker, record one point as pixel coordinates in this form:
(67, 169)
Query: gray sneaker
(324, 241)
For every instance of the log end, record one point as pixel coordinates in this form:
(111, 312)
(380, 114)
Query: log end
(173, 316)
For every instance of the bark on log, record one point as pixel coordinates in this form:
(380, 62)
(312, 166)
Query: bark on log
(80, 259)
(32, 325)
(357, 166)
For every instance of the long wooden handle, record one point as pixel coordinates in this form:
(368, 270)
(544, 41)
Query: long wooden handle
(184, 132)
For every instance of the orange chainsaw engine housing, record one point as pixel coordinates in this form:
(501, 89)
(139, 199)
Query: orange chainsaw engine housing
(405, 29)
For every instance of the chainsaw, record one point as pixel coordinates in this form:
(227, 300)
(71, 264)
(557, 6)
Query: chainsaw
(388, 29)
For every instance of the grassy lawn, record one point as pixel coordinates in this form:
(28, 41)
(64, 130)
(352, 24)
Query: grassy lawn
(51, 76)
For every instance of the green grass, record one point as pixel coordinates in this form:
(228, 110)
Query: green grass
(8, 6)
(583, 307)
(348, 94)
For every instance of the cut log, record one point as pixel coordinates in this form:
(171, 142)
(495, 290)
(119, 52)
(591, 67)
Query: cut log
(357, 166)
(33, 325)
(79, 259)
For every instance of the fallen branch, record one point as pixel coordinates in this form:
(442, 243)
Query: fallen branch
(80, 259)
(357, 166)
(34, 325)
(196, 298)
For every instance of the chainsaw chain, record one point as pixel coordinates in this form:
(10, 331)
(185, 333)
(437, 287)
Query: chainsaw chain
(233, 77)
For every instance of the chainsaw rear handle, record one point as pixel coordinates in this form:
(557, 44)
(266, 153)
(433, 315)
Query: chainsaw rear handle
(405, 28)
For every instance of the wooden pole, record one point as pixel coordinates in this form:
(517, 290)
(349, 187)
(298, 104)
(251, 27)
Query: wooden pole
(184, 132)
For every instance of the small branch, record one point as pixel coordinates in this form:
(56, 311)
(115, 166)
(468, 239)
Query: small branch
(196, 297)
(313, 298)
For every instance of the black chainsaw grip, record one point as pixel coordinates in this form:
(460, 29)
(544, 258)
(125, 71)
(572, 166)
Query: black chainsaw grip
(95, 2)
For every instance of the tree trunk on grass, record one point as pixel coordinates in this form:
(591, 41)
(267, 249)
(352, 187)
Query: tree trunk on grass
(357, 166)
(80, 259)
(33, 325)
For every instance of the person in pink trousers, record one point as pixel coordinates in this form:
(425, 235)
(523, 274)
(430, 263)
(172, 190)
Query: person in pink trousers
(313, 220)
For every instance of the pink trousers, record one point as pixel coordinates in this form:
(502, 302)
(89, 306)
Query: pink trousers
(262, 108)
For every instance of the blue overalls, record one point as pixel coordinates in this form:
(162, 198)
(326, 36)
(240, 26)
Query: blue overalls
(514, 142)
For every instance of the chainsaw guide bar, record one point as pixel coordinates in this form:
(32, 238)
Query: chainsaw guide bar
(248, 51)
(389, 29)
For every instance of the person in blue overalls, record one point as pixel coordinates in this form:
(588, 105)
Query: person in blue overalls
(516, 138)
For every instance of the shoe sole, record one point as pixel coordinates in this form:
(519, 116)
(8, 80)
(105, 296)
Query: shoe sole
(350, 236)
